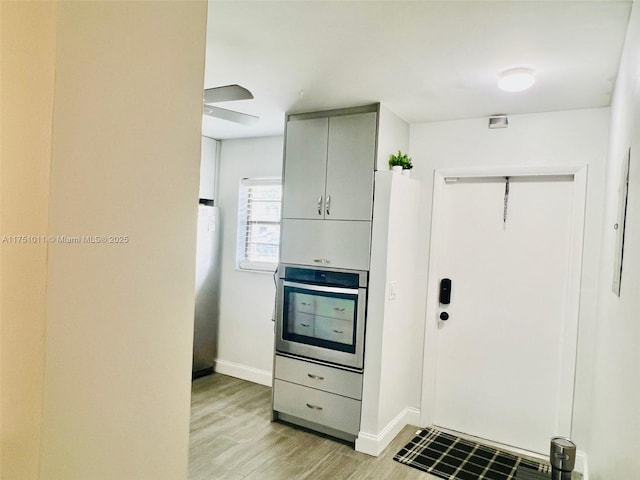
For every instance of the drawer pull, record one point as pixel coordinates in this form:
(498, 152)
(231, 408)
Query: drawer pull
(339, 309)
(315, 377)
(338, 331)
(321, 260)
(305, 324)
(314, 407)
(305, 304)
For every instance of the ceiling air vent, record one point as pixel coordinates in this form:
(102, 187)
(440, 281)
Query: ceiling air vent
(498, 121)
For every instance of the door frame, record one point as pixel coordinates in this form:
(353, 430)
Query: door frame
(570, 338)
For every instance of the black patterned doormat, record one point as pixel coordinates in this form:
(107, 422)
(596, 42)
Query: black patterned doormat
(454, 458)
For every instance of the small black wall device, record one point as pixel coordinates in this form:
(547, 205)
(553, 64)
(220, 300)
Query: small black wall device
(445, 291)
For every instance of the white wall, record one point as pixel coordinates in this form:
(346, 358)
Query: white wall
(560, 138)
(245, 334)
(125, 161)
(391, 383)
(393, 135)
(616, 394)
(28, 42)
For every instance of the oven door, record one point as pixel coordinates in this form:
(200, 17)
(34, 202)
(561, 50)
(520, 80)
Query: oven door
(321, 323)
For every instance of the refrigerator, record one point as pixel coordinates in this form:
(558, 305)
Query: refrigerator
(207, 291)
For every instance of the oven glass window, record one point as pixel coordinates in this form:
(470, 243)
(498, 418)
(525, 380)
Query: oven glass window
(323, 319)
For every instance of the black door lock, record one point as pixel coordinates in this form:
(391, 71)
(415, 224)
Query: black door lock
(445, 291)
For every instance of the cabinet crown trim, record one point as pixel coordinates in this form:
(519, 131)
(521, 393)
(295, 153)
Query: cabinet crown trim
(374, 107)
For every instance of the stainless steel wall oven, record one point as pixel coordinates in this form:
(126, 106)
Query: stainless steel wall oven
(321, 314)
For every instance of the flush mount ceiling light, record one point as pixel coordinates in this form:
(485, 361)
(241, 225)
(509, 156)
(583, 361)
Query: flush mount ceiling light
(516, 79)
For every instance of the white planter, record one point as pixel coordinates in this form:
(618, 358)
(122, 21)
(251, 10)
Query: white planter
(406, 172)
(396, 169)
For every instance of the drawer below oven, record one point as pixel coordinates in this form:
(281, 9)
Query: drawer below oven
(323, 408)
(321, 377)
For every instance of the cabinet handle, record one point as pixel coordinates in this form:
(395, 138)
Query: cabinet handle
(314, 407)
(339, 309)
(315, 377)
(305, 325)
(321, 260)
(338, 331)
(327, 204)
(320, 205)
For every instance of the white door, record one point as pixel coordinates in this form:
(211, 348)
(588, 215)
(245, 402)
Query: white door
(507, 350)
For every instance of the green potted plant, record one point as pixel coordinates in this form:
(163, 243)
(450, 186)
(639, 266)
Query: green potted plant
(406, 168)
(400, 162)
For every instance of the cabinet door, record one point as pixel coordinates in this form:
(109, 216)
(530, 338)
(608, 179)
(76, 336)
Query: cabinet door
(350, 166)
(326, 243)
(305, 168)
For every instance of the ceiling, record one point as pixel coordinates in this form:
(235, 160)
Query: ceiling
(425, 60)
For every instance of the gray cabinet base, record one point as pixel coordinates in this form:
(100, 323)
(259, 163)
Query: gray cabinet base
(279, 416)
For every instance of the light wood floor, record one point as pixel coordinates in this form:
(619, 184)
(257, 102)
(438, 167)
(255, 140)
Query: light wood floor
(232, 437)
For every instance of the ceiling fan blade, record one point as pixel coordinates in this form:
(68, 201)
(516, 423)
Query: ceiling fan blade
(226, 94)
(230, 115)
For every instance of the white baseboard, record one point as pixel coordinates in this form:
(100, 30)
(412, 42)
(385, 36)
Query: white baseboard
(244, 372)
(374, 444)
(581, 465)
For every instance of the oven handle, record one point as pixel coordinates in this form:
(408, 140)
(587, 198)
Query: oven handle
(322, 288)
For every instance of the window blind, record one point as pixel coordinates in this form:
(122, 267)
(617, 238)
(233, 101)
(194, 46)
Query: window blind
(259, 205)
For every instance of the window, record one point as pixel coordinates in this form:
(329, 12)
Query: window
(258, 223)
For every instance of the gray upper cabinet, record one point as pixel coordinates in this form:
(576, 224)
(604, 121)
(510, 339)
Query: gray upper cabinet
(350, 167)
(329, 167)
(305, 168)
